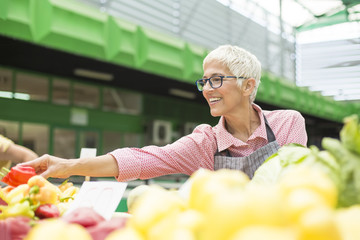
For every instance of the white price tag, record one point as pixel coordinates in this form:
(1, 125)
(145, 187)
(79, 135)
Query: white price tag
(87, 153)
(103, 197)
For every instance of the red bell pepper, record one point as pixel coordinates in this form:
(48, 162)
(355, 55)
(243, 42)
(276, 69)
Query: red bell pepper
(18, 175)
(47, 211)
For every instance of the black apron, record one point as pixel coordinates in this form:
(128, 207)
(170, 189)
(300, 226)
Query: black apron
(248, 164)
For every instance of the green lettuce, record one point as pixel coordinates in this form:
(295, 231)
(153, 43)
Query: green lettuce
(293, 155)
(340, 160)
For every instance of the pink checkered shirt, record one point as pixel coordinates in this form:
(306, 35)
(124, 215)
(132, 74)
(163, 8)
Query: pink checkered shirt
(197, 149)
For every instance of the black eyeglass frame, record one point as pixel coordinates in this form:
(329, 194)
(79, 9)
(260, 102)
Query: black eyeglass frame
(197, 82)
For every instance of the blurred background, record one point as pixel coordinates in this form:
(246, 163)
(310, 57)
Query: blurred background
(114, 73)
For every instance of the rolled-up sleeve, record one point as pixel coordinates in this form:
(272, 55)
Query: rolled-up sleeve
(129, 167)
(185, 156)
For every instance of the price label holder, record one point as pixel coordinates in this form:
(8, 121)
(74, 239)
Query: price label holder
(102, 196)
(87, 153)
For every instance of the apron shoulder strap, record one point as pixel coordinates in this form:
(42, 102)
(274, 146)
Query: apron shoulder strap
(269, 132)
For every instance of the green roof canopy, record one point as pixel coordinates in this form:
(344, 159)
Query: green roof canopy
(72, 27)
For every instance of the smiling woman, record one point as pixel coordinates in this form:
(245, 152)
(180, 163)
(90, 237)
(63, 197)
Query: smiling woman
(244, 137)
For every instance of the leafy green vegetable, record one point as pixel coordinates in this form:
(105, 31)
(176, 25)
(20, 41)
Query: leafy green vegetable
(349, 189)
(340, 161)
(350, 133)
(293, 155)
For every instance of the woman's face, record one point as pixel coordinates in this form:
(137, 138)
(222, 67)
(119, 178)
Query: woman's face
(225, 100)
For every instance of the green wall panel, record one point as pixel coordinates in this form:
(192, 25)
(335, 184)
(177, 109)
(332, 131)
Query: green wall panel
(163, 107)
(3, 10)
(70, 27)
(115, 121)
(160, 54)
(122, 42)
(288, 95)
(302, 101)
(193, 59)
(43, 112)
(73, 27)
(15, 19)
(33, 111)
(40, 23)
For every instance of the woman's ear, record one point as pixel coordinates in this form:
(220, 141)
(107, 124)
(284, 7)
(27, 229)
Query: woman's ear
(248, 86)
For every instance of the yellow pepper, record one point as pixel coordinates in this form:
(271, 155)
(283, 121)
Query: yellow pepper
(22, 208)
(65, 185)
(16, 194)
(38, 180)
(42, 191)
(43, 195)
(69, 193)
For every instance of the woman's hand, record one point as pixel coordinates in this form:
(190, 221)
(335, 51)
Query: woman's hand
(55, 167)
(51, 166)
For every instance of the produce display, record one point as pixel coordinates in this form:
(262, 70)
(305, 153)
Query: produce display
(29, 198)
(299, 193)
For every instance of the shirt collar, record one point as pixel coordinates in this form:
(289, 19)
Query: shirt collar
(225, 139)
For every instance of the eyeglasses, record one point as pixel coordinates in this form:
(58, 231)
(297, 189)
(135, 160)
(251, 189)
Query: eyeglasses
(215, 82)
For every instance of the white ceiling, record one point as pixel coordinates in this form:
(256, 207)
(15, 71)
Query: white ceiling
(328, 58)
(298, 12)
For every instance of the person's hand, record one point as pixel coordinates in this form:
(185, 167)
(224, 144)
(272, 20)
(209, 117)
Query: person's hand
(50, 166)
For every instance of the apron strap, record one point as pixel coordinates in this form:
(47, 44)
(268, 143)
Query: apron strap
(269, 132)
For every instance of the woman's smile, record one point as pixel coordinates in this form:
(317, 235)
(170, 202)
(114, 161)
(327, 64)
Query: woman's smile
(214, 100)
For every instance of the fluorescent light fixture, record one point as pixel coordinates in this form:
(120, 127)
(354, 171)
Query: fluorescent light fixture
(21, 96)
(93, 74)
(5, 94)
(181, 93)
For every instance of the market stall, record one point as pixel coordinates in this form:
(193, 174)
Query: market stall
(298, 193)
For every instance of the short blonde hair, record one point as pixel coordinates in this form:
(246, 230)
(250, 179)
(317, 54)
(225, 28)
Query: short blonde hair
(240, 62)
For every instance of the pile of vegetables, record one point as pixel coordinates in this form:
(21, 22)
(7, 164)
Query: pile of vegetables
(35, 198)
(299, 193)
(28, 198)
(32, 208)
